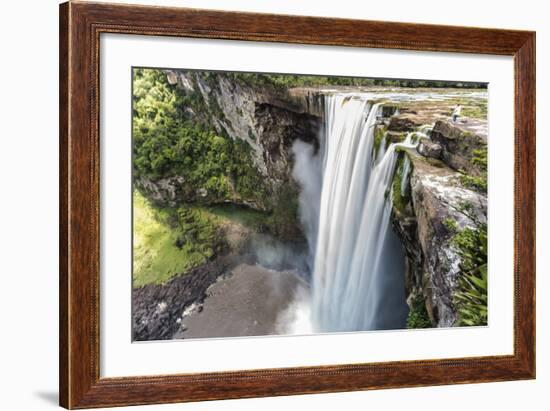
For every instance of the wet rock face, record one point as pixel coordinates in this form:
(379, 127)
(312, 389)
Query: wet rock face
(277, 129)
(306, 100)
(405, 225)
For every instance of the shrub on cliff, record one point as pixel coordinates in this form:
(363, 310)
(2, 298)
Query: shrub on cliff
(166, 144)
(477, 182)
(169, 242)
(418, 314)
(470, 298)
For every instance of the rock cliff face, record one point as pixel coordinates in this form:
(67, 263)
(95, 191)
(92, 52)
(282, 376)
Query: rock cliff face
(268, 119)
(457, 146)
(430, 210)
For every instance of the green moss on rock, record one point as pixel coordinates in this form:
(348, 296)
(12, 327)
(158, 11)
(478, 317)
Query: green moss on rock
(477, 181)
(470, 298)
(418, 314)
(399, 200)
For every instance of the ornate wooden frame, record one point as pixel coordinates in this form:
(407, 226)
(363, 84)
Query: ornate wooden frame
(80, 27)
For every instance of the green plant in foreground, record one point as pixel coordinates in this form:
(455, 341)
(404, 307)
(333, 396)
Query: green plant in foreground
(479, 182)
(470, 298)
(480, 158)
(472, 247)
(418, 315)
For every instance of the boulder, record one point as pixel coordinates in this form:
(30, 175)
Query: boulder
(428, 148)
(395, 137)
(457, 146)
(401, 123)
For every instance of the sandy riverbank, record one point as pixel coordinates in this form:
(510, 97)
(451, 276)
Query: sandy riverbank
(248, 301)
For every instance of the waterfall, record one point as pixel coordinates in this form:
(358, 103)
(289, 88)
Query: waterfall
(358, 262)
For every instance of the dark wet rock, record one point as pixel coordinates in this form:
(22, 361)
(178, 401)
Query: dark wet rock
(278, 129)
(157, 309)
(405, 225)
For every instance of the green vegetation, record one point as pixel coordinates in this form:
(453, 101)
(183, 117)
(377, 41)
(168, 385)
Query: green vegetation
(472, 246)
(399, 201)
(470, 298)
(418, 315)
(451, 225)
(283, 220)
(471, 107)
(166, 144)
(279, 222)
(170, 241)
(213, 169)
(480, 158)
(242, 215)
(478, 182)
(476, 108)
(292, 80)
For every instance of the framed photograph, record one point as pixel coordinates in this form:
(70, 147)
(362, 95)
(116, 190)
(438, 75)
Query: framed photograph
(259, 205)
